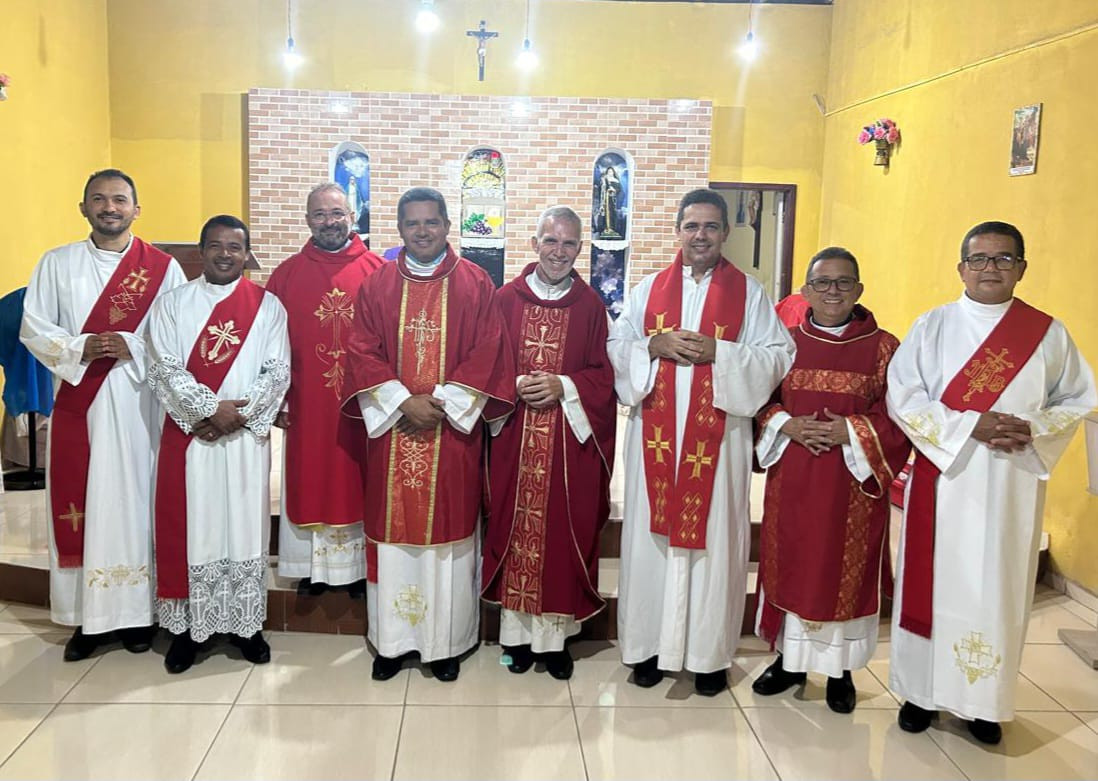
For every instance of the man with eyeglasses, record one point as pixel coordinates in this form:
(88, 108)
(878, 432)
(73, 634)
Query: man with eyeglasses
(831, 452)
(320, 537)
(989, 390)
(697, 350)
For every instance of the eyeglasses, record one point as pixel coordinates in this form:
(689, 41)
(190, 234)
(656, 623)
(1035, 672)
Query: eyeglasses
(842, 284)
(1002, 262)
(319, 216)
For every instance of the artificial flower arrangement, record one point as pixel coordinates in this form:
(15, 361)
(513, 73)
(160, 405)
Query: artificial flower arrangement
(5, 80)
(884, 132)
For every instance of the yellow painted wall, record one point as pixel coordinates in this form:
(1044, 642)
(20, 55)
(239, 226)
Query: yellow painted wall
(179, 70)
(54, 127)
(954, 111)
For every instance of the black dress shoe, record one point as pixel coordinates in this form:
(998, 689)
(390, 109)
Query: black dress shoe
(181, 654)
(647, 674)
(989, 732)
(307, 586)
(775, 679)
(446, 670)
(559, 664)
(137, 639)
(357, 590)
(841, 696)
(710, 684)
(80, 645)
(385, 667)
(254, 648)
(522, 658)
(912, 718)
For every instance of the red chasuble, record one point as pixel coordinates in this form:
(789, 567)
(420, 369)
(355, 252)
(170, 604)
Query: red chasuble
(426, 488)
(121, 307)
(212, 356)
(550, 493)
(680, 486)
(977, 386)
(824, 534)
(325, 451)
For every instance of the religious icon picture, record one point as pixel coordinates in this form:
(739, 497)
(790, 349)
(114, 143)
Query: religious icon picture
(610, 197)
(350, 169)
(1023, 140)
(484, 210)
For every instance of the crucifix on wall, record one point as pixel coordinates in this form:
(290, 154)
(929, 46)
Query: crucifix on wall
(482, 34)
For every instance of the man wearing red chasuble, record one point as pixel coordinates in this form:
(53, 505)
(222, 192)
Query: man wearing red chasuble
(551, 463)
(320, 536)
(428, 362)
(219, 362)
(831, 452)
(85, 318)
(697, 351)
(990, 390)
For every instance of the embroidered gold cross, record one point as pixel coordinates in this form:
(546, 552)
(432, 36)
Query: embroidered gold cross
(423, 330)
(73, 516)
(988, 373)
(541, 343)
(658, 443)
(660, 327)
(698, 459)
(337, 309)
(137, 280)
(223, 333)
(718, 331)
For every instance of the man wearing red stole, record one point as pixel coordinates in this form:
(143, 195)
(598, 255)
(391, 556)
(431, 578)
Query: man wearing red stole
(428, 361)
(219, 362)
(831, 452)
(697, 351)
(551, 463)
(84, 319)
(990, 390)
(320, 537)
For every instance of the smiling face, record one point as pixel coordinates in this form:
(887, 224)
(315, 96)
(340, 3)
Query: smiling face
(109, 207)
(832, 306)
(423, 230)
(223, 254)
(991, 285)
(557, 248)
(329, 218)
(701, 235)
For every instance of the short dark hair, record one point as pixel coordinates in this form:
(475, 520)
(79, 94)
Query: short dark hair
(702, 195)
(833, 253)
(417, 194)
(111, 173)
(227, 221)
(999, 229)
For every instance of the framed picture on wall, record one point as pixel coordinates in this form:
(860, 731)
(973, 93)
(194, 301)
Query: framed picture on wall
(1023, 139)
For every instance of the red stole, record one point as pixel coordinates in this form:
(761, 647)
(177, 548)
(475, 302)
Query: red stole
(680, 504)
(318, 290)
(214, 352)
(977, 386)
(120, 308)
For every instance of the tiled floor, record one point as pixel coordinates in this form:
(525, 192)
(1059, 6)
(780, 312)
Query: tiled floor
(313, 712)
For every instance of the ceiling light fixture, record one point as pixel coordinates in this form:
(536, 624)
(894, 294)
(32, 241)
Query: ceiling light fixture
(427, 20)
(749, 49)
(290, 57)
(527, 59)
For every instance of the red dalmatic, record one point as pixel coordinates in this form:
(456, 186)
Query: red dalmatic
(550, 492)
(325, 451)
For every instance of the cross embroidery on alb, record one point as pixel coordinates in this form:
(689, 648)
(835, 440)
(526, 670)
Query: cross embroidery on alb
(423, 330)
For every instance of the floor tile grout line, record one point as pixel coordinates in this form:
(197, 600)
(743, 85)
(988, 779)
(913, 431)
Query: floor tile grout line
(49, 713)
(758, 740)
(579, 737)
(224, 721)
(930, 734)
(400, 727)
(1042, 690)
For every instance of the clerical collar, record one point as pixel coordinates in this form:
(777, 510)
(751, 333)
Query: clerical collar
(834, 330)
(544, 290)
(422, 269)
(974, 307)
(109, 253)
(220, 291)
(333, 251)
